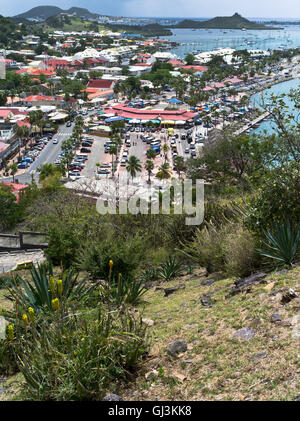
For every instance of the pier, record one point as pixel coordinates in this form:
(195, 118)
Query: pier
(252, 123)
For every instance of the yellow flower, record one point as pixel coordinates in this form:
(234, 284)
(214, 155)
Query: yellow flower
(52, 285)
(111, 263)
(10, 332)
(55, 304)
(60, 287)
(31, 314)
(25, 319)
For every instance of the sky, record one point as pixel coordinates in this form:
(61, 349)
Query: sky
(166, 8)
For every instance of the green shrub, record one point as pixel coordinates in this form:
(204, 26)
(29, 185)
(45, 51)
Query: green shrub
(282, 245)
(8, 364)
(277, 200)
(126, 253)
(170, 269)
(229, 248)
(43, 288)
(81, 355)
(126, 290)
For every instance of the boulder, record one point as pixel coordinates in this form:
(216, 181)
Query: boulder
(177, 347)
(245, 333)
(244, 284)
(288, 296)
(171, 290)
(208, 282)
(112, 397)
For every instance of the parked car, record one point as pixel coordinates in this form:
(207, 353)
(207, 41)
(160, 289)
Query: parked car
(23, 165)
(55, 142)
(85, 150)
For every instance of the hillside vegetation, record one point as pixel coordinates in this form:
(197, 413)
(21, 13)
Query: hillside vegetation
(223, 22)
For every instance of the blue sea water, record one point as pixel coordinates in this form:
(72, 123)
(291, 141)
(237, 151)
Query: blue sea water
(200, 40)
(280, 88)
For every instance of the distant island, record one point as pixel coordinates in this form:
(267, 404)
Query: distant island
(45, 12)
(222, 22)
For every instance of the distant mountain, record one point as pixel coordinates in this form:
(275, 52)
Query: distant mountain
(45, 12)
(222, 22)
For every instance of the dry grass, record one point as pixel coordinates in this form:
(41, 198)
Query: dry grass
(217, 366)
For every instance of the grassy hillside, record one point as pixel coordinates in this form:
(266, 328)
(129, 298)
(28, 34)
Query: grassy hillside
(216, 365)
(223, 22)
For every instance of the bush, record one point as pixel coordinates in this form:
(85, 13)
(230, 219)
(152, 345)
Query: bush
(282, 245)
(43, 288)
(239, 253)
(170, 269)
(126, 290)
(126, 254)
(228, 248)
(79, 357)
(277, 200)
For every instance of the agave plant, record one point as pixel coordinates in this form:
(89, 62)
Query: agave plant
(169, 269)
(282, 245)
(43, 288)
(126, 290)
(149, 274)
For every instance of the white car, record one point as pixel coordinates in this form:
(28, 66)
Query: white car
(55, 142)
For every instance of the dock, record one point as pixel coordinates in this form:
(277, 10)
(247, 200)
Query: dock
(252, 123)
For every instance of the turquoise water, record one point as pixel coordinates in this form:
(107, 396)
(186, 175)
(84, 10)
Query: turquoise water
(210, 39)
(278, 89)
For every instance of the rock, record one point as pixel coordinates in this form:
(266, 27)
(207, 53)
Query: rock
(2, 390)
(180, 377)
(176, 347)
(297, 398)
(148, 285)
(245, 333)
(256, 322)
(276, 318)
(206, 301)
(112, 397)
(288, 296)
(208, 282)
(151, 375)
(148, 322)
(169, 291)
(183, 304)
(242, 285)
(281, 272)
(259, 356)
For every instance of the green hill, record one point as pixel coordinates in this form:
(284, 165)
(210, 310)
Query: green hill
(45, 12)
(223, 22)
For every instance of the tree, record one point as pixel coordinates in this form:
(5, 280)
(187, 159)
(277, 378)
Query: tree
(3, 99)
(149, 166)
(189, 59)
(179, 165)
(166, 148)
(151, 154)
(9, 209)
(133, 166)
(164, 172)
(47, 170)
(13, 170)
(113, 150)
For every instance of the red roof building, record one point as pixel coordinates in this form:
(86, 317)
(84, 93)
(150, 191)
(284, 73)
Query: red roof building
(15, 188)
(101, 84)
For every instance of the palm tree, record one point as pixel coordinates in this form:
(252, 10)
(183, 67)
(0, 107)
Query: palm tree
(113, 151)
(165, 149)
(179, 164)
(164, 172)
(149, 166)
(133, 166)
(13, 170)
(46, 170)
(151, 154)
